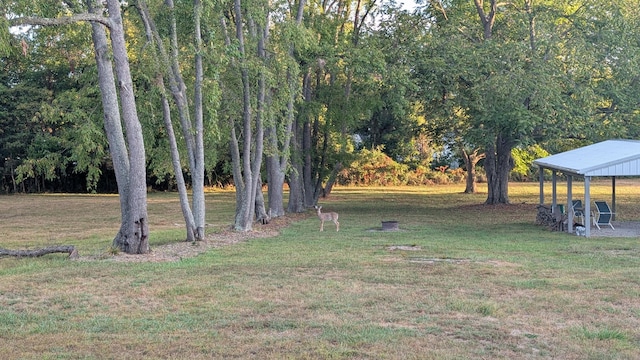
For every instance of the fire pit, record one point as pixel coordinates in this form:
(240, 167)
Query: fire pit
(390, 225)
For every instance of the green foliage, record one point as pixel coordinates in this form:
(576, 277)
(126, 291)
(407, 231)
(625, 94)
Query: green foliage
(375, 168)
(403, 79)
(523, 158)
(52, 126)
(5, 37)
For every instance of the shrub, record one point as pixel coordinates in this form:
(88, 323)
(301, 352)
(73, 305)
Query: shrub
(374, 167)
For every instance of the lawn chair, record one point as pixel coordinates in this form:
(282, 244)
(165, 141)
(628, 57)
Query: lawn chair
(604, 214)
(578, 210)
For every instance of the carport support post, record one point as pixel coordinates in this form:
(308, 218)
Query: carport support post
(613, 197)
(541, 175)
(554, 194)
(587, 206)
(569, 204)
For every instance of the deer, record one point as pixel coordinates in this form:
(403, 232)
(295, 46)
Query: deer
(327, 216)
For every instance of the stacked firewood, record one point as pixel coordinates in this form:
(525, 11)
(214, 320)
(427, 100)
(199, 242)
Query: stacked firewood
(554, 220)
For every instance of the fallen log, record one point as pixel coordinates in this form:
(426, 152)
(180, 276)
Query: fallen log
(68, 249)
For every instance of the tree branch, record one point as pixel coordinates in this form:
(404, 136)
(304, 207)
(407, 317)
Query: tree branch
(30, 20)
(70, 249)
(480, 9)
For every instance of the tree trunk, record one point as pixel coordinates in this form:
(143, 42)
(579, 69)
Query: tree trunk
(191, 229)
(197, 177)
(498, 164)
(130, 167)
(135, 239)
(260, 210)
(488, 20)
(275, 180)
(471, 185)
(332, 180)
(307, 150)
(247, 165)
(194, 216)
(258, 203)
(294, 177)
(112, 122)
(279, 158)
(471, 159)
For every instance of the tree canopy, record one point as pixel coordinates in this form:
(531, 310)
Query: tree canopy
(268, 92)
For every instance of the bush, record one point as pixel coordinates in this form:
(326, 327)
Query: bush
(375, 168)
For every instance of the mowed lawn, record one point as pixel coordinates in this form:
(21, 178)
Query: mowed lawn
(459, 280)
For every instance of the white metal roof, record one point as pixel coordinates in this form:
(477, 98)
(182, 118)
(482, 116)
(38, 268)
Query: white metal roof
(607, 158)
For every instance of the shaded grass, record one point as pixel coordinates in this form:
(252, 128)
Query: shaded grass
(510, 290)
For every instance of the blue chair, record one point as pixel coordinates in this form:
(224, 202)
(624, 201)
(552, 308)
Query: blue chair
(603, 215)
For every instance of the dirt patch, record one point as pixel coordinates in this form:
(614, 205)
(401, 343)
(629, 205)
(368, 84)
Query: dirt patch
(439, 260)
(184, 250)
(404, 247)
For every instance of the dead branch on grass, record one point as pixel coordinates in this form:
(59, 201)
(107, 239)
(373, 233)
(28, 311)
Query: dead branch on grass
(68, 249)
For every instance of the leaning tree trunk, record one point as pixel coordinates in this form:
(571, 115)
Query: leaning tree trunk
(133, 236)
(192, 230)
(169, 63)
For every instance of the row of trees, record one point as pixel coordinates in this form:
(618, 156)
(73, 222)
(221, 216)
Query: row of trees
(272, 92)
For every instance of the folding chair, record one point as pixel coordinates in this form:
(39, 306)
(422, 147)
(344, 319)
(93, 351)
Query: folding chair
(603, 215)
(578, 210)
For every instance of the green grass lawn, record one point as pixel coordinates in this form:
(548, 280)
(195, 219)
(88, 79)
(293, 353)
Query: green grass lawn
(460, 280)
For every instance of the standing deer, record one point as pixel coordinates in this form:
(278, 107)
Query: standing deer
(327, 216)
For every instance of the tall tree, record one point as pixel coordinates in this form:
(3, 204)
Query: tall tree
(490, 88)
(192, 130)
(338, 73)
(251, 28)
(133, 236)
(279, 133)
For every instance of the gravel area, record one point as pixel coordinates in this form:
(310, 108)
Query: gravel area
(622, 229)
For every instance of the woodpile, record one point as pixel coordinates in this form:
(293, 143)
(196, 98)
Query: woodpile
(556, 221)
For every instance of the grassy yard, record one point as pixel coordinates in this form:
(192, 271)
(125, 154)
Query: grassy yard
(460, 280)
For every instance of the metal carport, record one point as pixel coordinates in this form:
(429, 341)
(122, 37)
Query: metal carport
(610, 158)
